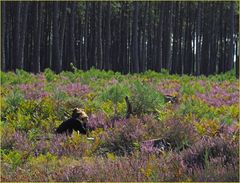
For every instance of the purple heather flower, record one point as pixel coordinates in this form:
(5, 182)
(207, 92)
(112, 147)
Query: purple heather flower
(169, 87)
(98, 121)
(33, 91)
(75, 89)
(220, 95)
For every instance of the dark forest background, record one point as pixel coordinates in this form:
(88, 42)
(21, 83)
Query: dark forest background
(182, 37)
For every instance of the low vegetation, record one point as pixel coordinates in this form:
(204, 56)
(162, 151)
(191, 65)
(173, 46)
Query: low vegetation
(202, 127)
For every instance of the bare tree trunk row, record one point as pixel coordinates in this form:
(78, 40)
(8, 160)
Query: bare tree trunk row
(182, 37)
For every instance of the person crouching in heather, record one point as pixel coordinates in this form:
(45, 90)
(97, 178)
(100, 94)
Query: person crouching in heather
(78, 123)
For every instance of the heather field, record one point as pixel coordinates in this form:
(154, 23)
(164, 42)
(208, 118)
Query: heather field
(201, 127)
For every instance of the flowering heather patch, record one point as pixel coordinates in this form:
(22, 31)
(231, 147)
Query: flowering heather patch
(180, 135)
(75, 89)
(131, 168)
(212, 159)
(120, 138)
(207, 149)
(225, 94)
(131, 129)
(98, 121)
(41, 77)
(112, 81)
(148, 147)
(216, 172)
(33, 91)
(169, 87)
(199, 82)
(230, 131)
(7, 138)
(61, 145)
(152, 127)
(21, 142)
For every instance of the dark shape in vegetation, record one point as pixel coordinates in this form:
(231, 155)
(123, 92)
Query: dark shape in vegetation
(129, 107)
(72, 124)
(171, 99)
(78, 123)
(160, 144)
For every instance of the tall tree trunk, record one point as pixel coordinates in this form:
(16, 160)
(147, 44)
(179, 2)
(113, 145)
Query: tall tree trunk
(99, 41)
(108, 35)
(231, 33)
(28, 63)
(188, 43)
(237, 66)
(154, 43)
(213, 42)
(37, 36)
(72, 56)
(135, 38)
(55, 47)
(160, 37)
(205, 44)
(62, 30)
(237, 59)
(120, 65)
(85, 64)
(92, 42)
(66, 61)
(3, 38)
(48, 40)
(179, 42)
(175, 36)
(123, 57)
(144, 49)
(79, 37)
(16, 36)
(7, 36)
(149, 39)
(221, 51)
(198, 37)
(169, 38)
(23, 32)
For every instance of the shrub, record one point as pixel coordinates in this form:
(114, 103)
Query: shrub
(19, 77)
(145, 99)
(219, 96)
(14, 99)
(7, 78)
(50, 75)
(7, 134)
(169, 87)
(13, 158)
(197, 108)
(180, 135)
(120, 139)
(75, 89)
(98, 121)
(116, 95)
(217, 173)
(207, 149)
(33, 91)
